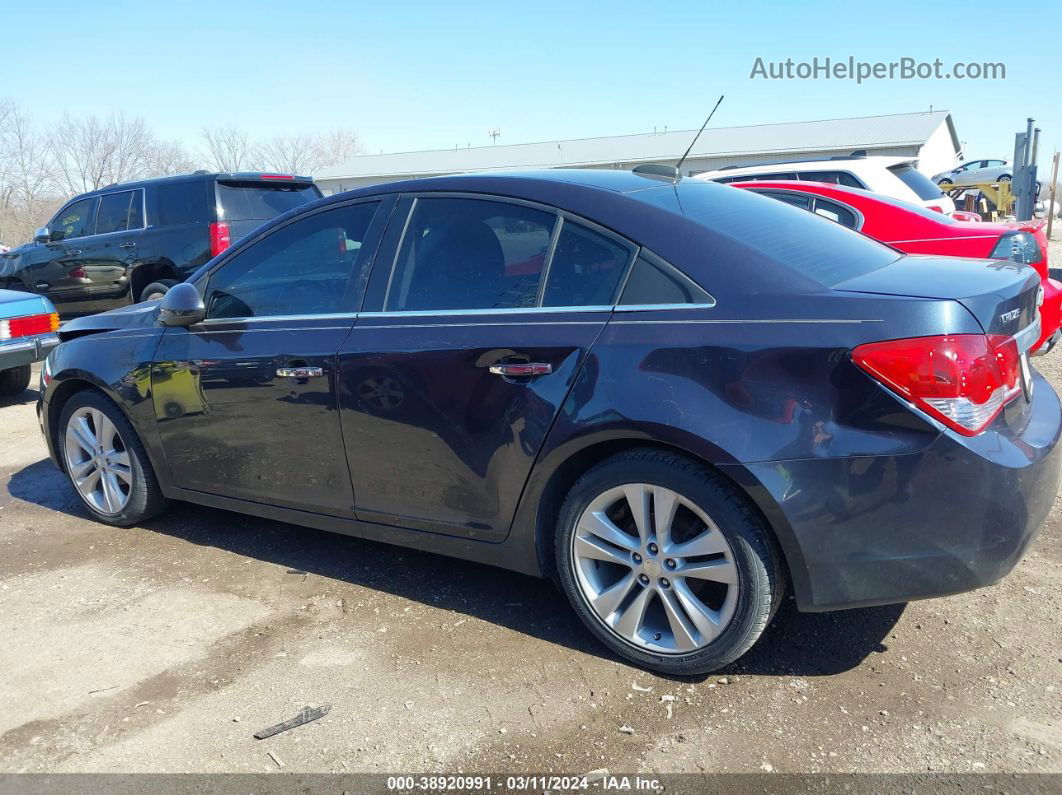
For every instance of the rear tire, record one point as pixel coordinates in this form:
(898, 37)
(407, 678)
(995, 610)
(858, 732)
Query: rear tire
(105, 461)
(1005, 178)
(945, 183)
(14, 381)
(155, 290)
(686, 623)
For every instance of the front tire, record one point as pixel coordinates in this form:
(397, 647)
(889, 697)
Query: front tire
(667, 563)
(14, 381)
(945, 183)
(1005, 178)
(106, 462)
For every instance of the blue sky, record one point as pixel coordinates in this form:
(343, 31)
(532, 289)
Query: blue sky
(421, 75)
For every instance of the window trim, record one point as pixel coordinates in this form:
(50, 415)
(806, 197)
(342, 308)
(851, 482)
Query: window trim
(667, 268)
(560, 216)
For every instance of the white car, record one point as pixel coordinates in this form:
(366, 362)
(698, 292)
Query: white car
(974, 171)
(890, 176)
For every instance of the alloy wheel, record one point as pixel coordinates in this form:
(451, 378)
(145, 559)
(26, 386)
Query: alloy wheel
(655, 569)
(97, 460)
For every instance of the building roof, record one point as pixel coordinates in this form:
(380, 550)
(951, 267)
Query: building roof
(864, 132)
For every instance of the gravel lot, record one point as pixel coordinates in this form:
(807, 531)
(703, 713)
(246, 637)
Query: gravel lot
(164, 648)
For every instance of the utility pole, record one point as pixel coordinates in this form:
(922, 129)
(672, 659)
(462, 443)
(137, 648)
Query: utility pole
(494, 132)
(1051, 204)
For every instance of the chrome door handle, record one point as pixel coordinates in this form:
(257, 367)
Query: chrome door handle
(73, 252)
(300, 372)
(521, 369)
(127, 245)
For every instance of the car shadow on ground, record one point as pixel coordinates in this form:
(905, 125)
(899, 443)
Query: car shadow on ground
(795, 643)
(27, 396)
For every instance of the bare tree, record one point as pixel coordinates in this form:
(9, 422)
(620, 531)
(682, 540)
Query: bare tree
(165, 158)
(91, 152)
(26, 197)
(227, 149)
(306, 153)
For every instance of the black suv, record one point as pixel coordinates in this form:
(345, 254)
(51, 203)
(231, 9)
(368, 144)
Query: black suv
(131, 242)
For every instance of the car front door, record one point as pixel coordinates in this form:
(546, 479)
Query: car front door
(479, 319)
(246, 401)
(55, 268)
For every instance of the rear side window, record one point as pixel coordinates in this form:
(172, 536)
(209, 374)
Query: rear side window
(259, 201)
(833, 177)
(585, 269)
(470, 254)
(835, 212)
(803, 201)
(914, 179)
(303, 268)
(185, 202)
(652, 283)
(119, 212)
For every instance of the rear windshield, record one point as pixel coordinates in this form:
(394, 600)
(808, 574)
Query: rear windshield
(804, 242)
(257, 201)
(914, 179)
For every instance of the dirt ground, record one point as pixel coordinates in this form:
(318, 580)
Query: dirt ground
(163, 648)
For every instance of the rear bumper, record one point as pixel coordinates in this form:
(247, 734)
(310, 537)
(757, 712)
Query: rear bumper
(884, 529)
(18, 352)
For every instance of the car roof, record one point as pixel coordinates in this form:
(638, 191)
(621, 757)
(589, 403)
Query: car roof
(195, 176)
(841, 164)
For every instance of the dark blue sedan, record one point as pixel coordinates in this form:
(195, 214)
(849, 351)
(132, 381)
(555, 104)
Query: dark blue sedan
(675, 398)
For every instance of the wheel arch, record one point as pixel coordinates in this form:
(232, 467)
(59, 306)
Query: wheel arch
(540, 508)
(145, 273)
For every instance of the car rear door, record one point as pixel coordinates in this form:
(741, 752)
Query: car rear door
(246, 401)
(480, 313)
(107, 256)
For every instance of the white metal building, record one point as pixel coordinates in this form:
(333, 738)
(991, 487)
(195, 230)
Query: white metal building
(929, 136)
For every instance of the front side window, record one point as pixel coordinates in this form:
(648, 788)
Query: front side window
(586, 268)
(470, 254)
(119, 212)
(303, 268)
(75, 220)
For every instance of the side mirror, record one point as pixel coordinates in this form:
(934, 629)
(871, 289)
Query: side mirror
(181, 306)
(42, 235)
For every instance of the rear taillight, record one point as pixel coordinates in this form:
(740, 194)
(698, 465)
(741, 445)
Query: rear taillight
(962, 380)
(1020, 247)
(12, 328)
(935, 208)
(220, 237)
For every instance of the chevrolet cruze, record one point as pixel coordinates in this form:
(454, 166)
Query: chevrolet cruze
(675, 398)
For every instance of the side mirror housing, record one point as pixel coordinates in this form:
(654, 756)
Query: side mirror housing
(42, 235)
(181, 306)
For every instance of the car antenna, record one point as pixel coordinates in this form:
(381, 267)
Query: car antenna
(678, 165)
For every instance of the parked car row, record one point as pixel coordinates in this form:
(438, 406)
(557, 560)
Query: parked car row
(131, 242)
(678, 399)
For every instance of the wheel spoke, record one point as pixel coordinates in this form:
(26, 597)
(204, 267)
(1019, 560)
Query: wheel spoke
(710, 542)
(596, 523)
(638, 500)
(606, 602)
(112, 494)
(121, 458)
(79, 470)
(701, 616)
(631, 619)
(123, 472)
(598, 550)
(105, 430)
(81, 434)
(665, 503)
(721, 570)
(87, 483)
(682, 629)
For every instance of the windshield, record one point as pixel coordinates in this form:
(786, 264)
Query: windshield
(914, 179)
(804, 242)
(259, 201)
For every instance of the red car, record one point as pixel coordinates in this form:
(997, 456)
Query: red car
(916, 230)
